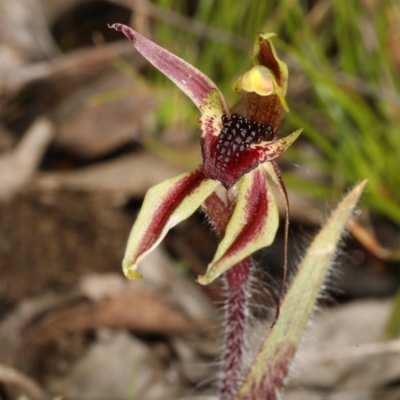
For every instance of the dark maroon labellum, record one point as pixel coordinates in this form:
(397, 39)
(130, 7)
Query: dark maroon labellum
(229, 156)
(237, 134)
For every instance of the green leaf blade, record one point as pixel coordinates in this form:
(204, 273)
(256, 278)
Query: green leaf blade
(266, 376)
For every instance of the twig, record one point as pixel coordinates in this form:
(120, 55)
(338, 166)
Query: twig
(362, 350)
(180, 21)
(26, 385)
(71, 66)
(371, 244)
(18, 166)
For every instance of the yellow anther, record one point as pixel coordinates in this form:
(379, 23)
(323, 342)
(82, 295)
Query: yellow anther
(258, 80)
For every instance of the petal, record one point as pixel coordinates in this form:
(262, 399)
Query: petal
(246, 161)
(268, 151)
(267, 110)
(210, 120)
(274, 173)
(253, 225)
(265, 55)
(189, 79)
(164, 206)
(264, 106)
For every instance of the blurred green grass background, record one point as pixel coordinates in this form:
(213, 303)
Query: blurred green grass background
(343, 86)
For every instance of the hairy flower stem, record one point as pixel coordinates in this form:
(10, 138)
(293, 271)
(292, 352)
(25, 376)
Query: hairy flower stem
(236, 304)
(236, 314)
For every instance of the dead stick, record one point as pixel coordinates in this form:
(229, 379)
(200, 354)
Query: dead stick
(28, 386)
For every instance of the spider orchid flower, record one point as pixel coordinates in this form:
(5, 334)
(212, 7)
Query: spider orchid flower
(239, 147)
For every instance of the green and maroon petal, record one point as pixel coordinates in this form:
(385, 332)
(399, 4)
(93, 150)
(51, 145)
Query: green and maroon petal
(253, 225)
(189, 79)
(164, 206)
(211, 118)
(269, 151)
(274, 173)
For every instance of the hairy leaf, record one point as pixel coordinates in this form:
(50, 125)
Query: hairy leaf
(267, 374)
